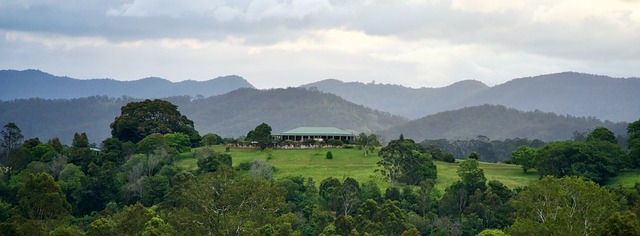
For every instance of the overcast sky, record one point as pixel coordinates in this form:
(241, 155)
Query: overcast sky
(280, 43)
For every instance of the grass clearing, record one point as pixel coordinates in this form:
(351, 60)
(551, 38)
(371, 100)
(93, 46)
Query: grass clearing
(352, 163)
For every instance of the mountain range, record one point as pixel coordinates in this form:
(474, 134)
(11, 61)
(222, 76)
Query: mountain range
(567, 93)
(548, 107)
(16, 84)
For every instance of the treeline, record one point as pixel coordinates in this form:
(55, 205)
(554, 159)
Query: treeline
(488, 150)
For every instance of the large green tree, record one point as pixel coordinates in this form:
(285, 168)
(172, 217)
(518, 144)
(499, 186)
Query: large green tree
(633, 132)
(565, 206)
(261, 134)
(11, 140)
(139, 119)
(41, 198)
(405, 161)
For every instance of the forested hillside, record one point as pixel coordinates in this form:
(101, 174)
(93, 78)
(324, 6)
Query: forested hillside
(498, 122)
(403, 101)
(571, 93)
(235, 113)
(232, 114)
(37, 84)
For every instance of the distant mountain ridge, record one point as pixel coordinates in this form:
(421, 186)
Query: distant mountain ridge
(396, 99)
(576, 94)
(230, 115)
(498, 123)
(16, 84)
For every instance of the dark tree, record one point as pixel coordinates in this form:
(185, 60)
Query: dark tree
(262, 135)
(140, 119)
(602, 134)
(633, 132)
(407, 162)
(213, 162)
(11, 139)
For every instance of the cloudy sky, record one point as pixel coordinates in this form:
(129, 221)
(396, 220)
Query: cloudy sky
(280, 43)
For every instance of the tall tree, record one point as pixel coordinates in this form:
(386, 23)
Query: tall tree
(41, 198)
(367, 143)
(262, 135)
(633, 132)
(139, 119)
(11, 140)
(405, 161)
(524, 156)
(565, 206)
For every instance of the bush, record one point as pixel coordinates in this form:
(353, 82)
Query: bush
(329, 155)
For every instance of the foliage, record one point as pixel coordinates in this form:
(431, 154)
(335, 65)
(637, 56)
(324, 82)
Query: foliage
(329, 155)
(41, 198)
(262, 135)
(565, 206)
(211, 139)
(367, 143)
(140, 119)
(213, 162)
(595, 160)
(223, 202)
(489, 150)
(525, 157)
(260, 168)
(633, 132)
(406, 162)
(622, 223)
(11, 140)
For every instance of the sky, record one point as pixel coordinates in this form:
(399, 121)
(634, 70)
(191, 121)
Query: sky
(282, 43)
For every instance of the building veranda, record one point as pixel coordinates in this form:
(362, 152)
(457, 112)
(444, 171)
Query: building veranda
(321, 134)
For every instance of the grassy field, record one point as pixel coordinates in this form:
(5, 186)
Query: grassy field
(352, 163)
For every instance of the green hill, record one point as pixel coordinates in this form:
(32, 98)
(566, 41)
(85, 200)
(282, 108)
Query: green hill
(498, 123)
(235, 113)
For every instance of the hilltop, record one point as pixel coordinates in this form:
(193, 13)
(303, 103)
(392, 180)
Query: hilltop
(37, 84)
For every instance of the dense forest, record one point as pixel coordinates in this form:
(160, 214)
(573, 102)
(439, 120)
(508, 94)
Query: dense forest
(131, 186)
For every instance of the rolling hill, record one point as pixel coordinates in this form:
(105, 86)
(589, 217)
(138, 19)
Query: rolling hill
(497, 123)
(566, 93)
(403, 101)
(37, 84)
(229, 115)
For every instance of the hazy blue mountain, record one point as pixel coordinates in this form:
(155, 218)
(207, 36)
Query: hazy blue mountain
(399, 100)
(37, 84)
(576, 94)
(229, 115)
(497, 123)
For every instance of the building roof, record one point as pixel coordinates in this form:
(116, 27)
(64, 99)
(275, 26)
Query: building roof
(328, 131)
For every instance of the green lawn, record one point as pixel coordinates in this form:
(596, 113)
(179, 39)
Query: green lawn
(352, 163)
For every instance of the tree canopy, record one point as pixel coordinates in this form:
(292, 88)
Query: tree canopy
(405, 161)
(140, 119)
